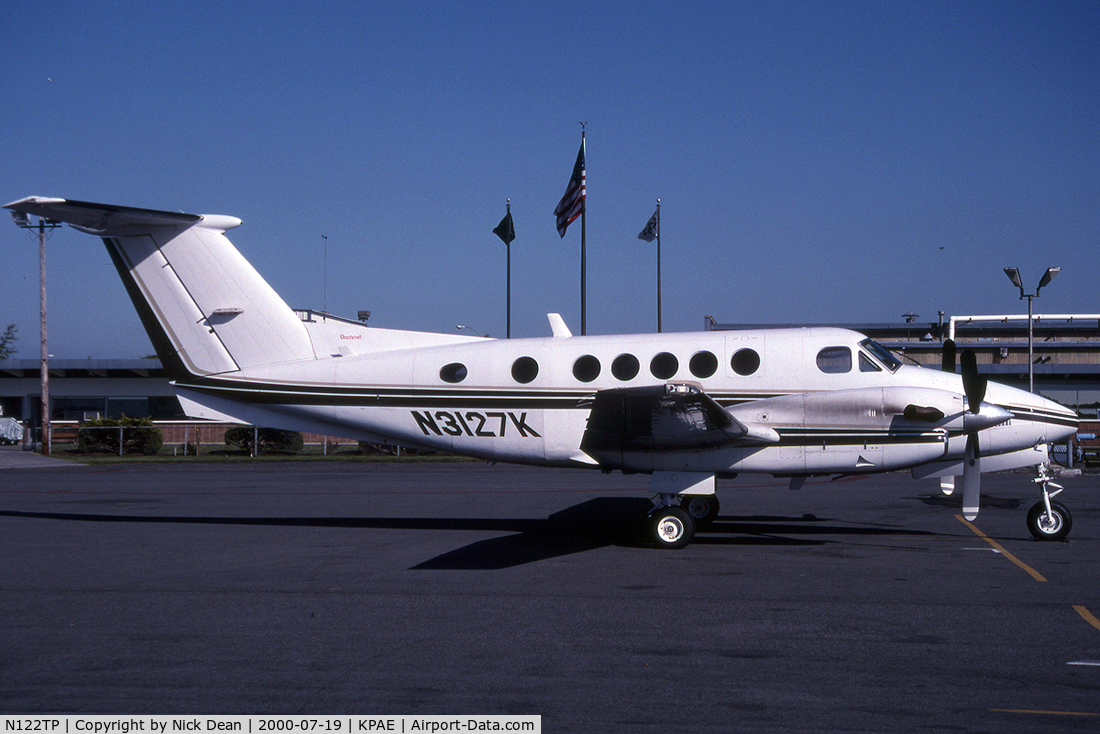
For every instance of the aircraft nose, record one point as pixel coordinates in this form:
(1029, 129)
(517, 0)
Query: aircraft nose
(1061, 421)
(1050, 421)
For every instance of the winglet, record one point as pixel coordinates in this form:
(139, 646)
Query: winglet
(557, 325)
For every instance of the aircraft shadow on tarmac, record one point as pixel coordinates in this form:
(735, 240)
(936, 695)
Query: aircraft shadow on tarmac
(596, 523)
(954, 501)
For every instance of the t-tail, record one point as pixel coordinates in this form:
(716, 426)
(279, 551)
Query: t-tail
(206, 309)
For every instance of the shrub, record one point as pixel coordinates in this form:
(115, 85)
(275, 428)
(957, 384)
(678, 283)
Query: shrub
(139, 436)
(271, 440)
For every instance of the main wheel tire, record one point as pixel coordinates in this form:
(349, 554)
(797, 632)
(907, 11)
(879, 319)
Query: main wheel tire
(1057, 527)
(703, 508)
(671, 527)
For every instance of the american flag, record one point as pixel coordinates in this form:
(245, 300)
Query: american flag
(571, 205)
(652, 227)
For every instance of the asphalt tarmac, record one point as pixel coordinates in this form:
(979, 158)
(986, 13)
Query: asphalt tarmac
(463, 588)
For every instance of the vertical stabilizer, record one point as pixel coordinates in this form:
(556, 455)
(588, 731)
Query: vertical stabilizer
(206, 309)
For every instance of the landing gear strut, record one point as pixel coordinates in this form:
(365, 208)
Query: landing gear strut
(1048, 520)
(682, 502)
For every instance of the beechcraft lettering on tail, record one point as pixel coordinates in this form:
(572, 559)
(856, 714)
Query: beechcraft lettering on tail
(681, 408)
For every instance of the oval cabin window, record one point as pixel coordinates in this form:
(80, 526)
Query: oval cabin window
(703, 364)
(525, 369)
(834, 360)
(453, 373)
(625, 367)
(745, 362)
(664, 365)
(586, 368)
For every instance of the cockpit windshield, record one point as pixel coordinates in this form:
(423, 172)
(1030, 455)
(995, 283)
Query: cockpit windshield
(882, 354)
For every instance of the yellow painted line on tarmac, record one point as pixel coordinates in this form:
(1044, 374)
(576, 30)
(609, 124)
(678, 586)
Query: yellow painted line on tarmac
(1044, 713)
(1001, 549)
(1087, 616)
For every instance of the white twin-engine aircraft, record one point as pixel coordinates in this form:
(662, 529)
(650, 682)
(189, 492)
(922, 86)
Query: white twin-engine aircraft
(685, 408)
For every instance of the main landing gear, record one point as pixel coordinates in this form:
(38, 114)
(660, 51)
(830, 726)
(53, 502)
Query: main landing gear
(1048, 520)
(674, 518)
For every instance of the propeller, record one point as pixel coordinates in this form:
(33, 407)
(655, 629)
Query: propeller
(948, 358)
(974, 385)
(978, 416)
(972, 477)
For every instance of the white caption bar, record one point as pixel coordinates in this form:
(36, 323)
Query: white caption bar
(124, 724)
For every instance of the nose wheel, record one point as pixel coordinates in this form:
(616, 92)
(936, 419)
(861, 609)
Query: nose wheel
(1048, 520)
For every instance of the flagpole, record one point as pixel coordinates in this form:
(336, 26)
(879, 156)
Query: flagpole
(506, 231)
(584, 210)
(571, 206)
(658, 266)
(508, 282)
(652, 231)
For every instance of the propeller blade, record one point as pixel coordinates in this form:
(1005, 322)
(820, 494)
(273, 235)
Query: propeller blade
(973, 384)
(972, 478)
(948, 358)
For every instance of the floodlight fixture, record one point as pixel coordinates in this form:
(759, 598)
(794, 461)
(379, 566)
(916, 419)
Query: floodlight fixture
(1014, 275)
(1047, 277)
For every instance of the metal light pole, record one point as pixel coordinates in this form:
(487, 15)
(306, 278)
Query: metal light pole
(1014, 275)
(23, 221)
(470, 328)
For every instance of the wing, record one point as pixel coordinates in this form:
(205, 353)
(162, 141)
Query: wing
(657, 418)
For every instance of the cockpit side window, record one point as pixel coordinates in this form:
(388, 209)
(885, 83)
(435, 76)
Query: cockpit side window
(834, 360)
(882, 354)
(866, 364)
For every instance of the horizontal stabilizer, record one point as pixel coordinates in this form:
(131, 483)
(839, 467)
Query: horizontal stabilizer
(103, 219)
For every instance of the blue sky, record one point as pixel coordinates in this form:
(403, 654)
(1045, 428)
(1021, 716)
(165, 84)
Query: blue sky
(816, 161)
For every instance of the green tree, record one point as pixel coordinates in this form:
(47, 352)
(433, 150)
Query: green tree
(6, 341)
